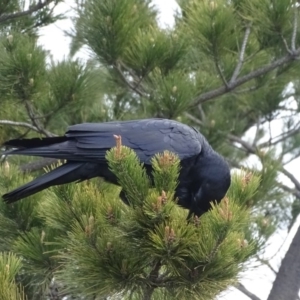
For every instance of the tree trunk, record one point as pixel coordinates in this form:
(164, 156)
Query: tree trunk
(287, 283)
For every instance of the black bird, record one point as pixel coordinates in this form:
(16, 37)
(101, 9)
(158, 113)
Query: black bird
(204, 174)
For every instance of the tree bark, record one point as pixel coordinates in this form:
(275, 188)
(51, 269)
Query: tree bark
(287, 283)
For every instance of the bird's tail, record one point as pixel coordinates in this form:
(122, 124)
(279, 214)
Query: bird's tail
(45, 147)
(66, 173)
(34, 142)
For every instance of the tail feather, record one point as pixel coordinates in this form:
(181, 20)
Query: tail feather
(61, 175)
(34, 142)
(53, 147)
(51, 152)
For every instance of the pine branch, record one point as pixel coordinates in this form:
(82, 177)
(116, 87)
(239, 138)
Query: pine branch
(252, 149)
(256, 137)
(153, 276)
(19, 124)
(220, 72)
(35, 121)
(246, 145)
(127, 82)
(242, 55)
(283, 243)
(32, 9)
(194, 119)
(202, 113)
(281, 137)
(291, 177)
(216, 248)
(267, 262)
(289, 190)
(258, 72)
(132, 74)
(243, 289)
(291, 158)
(295, 26)
(285, 44)
(148, 294)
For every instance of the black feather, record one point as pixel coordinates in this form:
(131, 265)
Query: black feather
(204, 175)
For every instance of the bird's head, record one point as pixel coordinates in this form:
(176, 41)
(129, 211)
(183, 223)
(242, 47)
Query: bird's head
(214, 183)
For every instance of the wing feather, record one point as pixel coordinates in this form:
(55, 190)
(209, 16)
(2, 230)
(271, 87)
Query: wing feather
(90, 141)
(146, 137)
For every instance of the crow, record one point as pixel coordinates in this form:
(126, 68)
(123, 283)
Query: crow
(204, 174)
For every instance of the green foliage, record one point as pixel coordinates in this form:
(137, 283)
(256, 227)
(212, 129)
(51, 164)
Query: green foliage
(52, 96)
(213, 25)
(136, 182)
(81, 237)
(154, 48)
(10, 265)
(173, 93)
(73, 86)
(29, 23)
(96, 246)
(274, 18)
(145, 246)
(38, 252)
(22, 66)
(165, 171)
(108, 26)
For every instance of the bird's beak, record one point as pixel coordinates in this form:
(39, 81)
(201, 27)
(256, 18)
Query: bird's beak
(194, 204)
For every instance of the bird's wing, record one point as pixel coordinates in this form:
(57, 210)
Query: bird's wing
(90, 141)
(145, 137)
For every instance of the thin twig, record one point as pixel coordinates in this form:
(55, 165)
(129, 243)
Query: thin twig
(267, 263)
(194, 119)
(252, 149)
(295, 156)
(245, 291)
(270, 133)
(246, 145)
(127, 82)
(286, 45)
(32, 9)
(283, 243)
(137, 79)
(202, 113)
(153, 276)
(19, 124)
(220, 72)
(34, 119)
(294, 192)
(279, 138)
(291, 177)
(295, 25)
(258, 72)
(242, 55)
(256, 137)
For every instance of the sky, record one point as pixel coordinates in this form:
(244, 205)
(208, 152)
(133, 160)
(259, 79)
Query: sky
(258, 280)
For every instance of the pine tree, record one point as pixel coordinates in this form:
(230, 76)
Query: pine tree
(81, 240)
